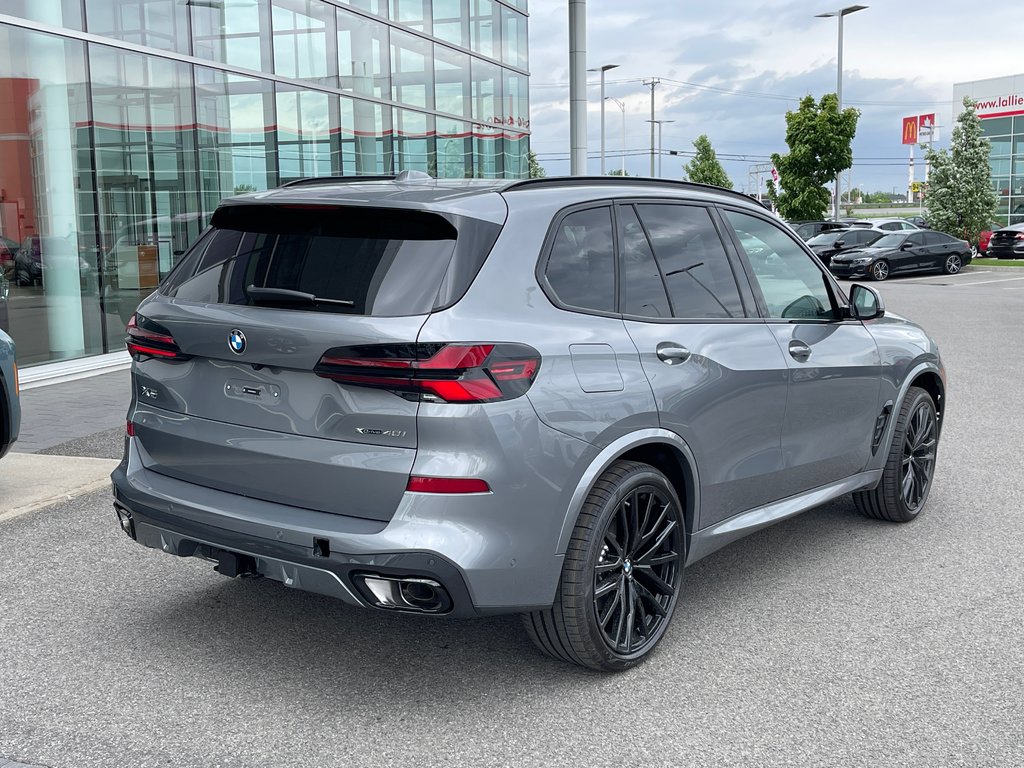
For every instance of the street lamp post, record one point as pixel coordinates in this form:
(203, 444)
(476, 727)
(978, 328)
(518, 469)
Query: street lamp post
(622, 107)
(577, 87)
(839, 14)
(602, 69)
(659, 123)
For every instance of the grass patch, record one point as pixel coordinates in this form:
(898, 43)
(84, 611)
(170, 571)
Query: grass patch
(997, 262)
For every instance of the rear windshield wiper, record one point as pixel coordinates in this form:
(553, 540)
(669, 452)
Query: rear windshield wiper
(286, 296)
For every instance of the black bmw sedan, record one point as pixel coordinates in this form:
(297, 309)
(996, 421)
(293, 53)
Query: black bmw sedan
(904, 252)
(829, 244)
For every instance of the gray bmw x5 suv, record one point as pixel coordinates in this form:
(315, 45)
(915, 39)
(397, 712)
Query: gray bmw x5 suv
(544, 397)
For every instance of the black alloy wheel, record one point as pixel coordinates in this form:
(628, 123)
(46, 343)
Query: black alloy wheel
(880, 270)
(919, 444)
(635, 576)
(953, 264)
(621, 574)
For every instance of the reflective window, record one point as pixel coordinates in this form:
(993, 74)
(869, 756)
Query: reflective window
(1001, 145)
(454, 149)
(412, 70)
(379, 7)
(693, 260)
(412, 13)
(236, 138)
(485, 28)
(49, 256)
(580, 268)
(487, 101)
(488, 152)
(451, 21)
(58, 13)
(366, 138)
(301, 30)
(153, 23)
(517, 147)
(793, 287)
(452, 92)
(515, 110)
(364, 59)
(303, 133)
(642, 291)
(996, 126)
(513, 36)
(233, 33)
(414, 142)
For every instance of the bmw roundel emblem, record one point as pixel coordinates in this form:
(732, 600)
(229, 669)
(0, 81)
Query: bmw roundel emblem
(236, 341)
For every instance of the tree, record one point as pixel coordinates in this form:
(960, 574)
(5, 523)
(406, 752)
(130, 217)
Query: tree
(536, 169)
(241, 189)
(705, 168)
(819, 138)
(959, 199)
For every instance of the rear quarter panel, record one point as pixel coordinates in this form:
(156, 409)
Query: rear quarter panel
(10, 409)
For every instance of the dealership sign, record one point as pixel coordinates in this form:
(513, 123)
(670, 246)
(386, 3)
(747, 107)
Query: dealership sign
(1000, 106)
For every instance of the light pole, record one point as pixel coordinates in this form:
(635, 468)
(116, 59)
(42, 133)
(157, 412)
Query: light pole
(577, 87)
(659, 123)
(602, 69)
(839, 78)
(622, 107)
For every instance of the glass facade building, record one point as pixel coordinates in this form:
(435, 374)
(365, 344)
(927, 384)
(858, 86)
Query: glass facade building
(999, 102)
(124, 122)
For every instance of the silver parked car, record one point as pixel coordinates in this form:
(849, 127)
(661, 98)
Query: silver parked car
(544, 397)
(10, 408)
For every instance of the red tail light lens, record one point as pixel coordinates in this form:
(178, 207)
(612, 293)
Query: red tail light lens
(129, 429)
(418, 484)
(147, 338)
(1019, 236)
(450, 373)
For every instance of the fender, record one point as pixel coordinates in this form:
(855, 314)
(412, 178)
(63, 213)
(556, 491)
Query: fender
(890, 428)
(608, 455)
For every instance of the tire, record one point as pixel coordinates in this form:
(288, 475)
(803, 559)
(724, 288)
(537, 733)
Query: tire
(975, 253)
(880, 270)
(588, 624)
(953, 264)
(916, 437)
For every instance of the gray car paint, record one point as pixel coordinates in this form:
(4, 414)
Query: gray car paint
(599, 393)
(10, 407)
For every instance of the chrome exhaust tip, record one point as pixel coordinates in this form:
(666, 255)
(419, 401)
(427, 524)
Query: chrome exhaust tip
(404, 594)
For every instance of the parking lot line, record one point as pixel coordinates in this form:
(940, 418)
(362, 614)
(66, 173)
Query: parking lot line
(984, 282)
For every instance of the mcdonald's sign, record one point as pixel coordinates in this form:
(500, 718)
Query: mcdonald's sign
(910, 130)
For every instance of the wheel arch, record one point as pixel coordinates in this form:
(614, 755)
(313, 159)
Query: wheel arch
(931, 382)
(662, 449)
(928, 376)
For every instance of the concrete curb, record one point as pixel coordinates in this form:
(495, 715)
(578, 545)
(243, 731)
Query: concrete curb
(32, 481)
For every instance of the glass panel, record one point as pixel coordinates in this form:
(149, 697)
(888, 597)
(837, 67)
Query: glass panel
(485, 28)
(303, 133)
(486, 92)
(1000, 166)
(642, 292)
(233, 33)
(379, 7)
(411, 70)
(692, 258)
(488, 153)
(49, 260)
(1001, 146)
(996, 126)
(580, 269)
(513, 35)
(145, 148)
(516, 102)
(237, 151)
(451, 81)
(412, 13)
(793, 287)
(156, 23)
(363, 55)
(1001, 185)
(414, 142)
(451, 21)
(517, 147)
(366, 138)
(302, 29)
(59, 13)
(454, 149)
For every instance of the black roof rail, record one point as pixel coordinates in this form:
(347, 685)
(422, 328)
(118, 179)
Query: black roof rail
(313, 181)
(624, 181)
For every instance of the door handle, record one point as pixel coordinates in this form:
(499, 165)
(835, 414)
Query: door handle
(799, 351)
(671, 353)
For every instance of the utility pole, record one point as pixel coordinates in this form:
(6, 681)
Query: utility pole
(578, 87)
(622, 107)
(652, 83)
(660, 123)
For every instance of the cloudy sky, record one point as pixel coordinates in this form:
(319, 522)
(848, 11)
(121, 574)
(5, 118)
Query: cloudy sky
(900, 58)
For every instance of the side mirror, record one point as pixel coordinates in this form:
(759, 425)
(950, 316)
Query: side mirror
(840, 243)
(865, 302)
(905, 246)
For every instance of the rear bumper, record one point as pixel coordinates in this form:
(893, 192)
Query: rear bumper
(485, 562)
(1004, 251)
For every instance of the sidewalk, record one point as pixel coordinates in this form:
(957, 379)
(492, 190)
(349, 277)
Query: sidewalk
(72, 437)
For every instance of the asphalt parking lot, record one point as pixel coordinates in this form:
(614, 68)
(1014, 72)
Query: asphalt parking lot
(826, 640)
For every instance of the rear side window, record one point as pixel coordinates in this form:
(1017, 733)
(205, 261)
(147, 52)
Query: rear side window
(581, 267)
(362, 261)
(692, 258)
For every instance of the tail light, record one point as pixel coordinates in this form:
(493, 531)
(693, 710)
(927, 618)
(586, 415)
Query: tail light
(446, 373)
(150, 339)
(1019, 236)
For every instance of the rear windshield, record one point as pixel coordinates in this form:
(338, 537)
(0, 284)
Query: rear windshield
(362, 261)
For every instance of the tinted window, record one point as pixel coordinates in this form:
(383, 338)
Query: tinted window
(889, 241)
(643, 291)
(916, 240)
(859, 237)
(936, 238)
(793, 287)
(581, 269)
(691, 256)
(827, 238)
(361, 261)
(890, 226)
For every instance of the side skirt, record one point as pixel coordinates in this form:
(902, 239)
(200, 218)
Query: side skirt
(704, 542)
